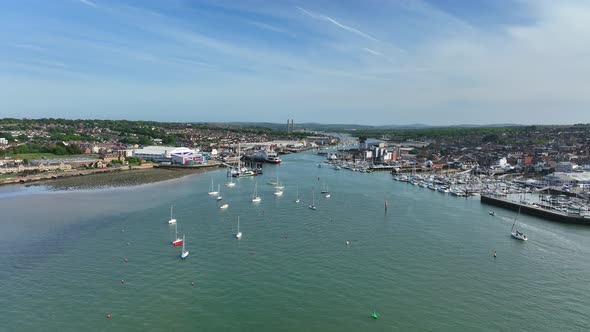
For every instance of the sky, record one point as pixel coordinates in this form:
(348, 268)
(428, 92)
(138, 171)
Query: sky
(375, 62)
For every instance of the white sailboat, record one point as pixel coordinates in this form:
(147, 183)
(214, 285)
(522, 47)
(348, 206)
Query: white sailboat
(312, 206)
(325, 191)
(278, 192)
(224, 206)
(515, 233)
(231, 182)
(211, 190)
(219, 197)
(278, 185)
(255, 197)
(238, 234)
(172, 220)
(184, 253)
(298, 199)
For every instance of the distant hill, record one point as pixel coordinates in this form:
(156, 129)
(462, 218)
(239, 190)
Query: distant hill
(351, 127)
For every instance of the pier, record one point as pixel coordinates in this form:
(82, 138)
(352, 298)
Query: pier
(570, 218)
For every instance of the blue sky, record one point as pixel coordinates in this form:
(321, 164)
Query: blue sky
(368, 62)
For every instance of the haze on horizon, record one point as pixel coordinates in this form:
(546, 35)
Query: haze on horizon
(437, 62)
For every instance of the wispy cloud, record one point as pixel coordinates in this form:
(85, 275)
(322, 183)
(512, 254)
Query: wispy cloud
(89, 3)
(269, 27)
(29, 47)
(51, 63)
(368, 50)
(338, 24)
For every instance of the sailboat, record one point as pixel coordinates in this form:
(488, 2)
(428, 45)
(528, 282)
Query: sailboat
(278, 185)
(242, 171)
(297, 200)
(184, 253)
(255, 197)
(231, 182)
(219, 197)
(312, 206)
(178, 240)
(325, 191)
(224, 206)
(385, 205)
(172, 220)
(238, 234)
(515, 233)
(211, 190)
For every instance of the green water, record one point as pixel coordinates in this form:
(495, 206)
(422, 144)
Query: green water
(424, 265)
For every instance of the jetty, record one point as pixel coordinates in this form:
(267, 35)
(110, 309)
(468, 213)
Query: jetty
(537, 211)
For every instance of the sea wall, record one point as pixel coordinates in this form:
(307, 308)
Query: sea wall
(535, 211)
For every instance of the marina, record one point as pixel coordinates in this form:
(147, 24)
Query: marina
(548, 203)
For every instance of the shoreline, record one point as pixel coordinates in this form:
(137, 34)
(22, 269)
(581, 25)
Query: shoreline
(111, 177)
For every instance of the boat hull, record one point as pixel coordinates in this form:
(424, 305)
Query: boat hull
(519, 237)
(177, 242)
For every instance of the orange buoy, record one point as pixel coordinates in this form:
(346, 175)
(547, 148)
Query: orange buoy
(109, 316)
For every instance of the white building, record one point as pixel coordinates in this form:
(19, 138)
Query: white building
(564, 166)
(3, 141)
(177, 155)
(568, 178)
(185, 156)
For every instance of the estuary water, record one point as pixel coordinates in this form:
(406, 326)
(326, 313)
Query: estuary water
(425, 264)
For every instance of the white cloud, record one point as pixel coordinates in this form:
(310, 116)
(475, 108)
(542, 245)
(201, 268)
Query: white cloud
(89, 3)
(338, 24)
(533, 71)
(368, 50)
(270, 27)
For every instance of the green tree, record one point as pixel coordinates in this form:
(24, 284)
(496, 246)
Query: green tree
(169, 140)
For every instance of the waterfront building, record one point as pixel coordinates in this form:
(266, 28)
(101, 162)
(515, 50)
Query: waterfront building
(3, 141)
(177, 155)
(561, 178)
(564, 166)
